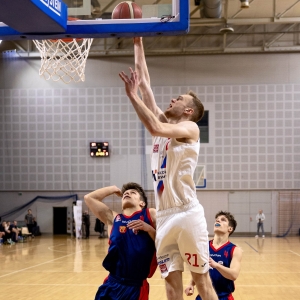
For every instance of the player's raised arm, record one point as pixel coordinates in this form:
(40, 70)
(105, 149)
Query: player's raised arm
(186, 129)
(94, 201)
(144, 79)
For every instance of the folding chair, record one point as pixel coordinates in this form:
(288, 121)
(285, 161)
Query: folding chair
(25, 233)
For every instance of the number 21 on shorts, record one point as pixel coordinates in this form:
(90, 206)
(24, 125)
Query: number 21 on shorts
(192, 259)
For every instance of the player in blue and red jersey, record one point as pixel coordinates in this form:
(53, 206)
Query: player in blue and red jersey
(131, 255)
(225, 258)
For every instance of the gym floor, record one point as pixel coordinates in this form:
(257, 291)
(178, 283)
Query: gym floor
(60, 267)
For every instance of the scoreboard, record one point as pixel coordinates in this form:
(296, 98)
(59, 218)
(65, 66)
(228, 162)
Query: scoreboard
(99, 149)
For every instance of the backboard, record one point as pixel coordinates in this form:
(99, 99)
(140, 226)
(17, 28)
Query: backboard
(47, 19)
(200, 176)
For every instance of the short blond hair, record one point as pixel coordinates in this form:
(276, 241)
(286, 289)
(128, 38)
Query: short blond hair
(197, 106)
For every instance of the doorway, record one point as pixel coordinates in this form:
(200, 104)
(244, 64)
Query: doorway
(59, 220)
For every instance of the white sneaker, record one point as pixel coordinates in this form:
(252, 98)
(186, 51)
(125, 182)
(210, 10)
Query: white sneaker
(263, 236)
(256, 236)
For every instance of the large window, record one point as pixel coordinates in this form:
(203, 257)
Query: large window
(204, 128)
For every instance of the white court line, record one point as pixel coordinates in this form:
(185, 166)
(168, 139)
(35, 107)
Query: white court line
(23, 248)
(37, 265)
(268, 272)
(294, 252)
(269, 285)
(51, 248)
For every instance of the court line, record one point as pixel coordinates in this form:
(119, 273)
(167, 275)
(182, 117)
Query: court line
(269, 285)
(51, 248)
(294, 252)
(1, 276)
(251, 247)
(24, 248)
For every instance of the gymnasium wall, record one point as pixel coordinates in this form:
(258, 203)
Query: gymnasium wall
(254, 129)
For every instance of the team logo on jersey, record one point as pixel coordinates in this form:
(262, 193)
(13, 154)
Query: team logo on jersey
(155, 148)
(122, 229)
(163, 268)
(118, 218)
(225, 253)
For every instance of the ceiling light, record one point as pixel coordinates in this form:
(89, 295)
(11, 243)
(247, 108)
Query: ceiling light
(244, 3)
(226, 29)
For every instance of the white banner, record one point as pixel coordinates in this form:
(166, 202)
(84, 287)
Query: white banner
(78, 218)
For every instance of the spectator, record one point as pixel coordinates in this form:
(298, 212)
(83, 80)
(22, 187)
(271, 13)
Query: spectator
(99, 227)
(2, 231)
(15, 231)
(35, 228)
(260, 217)
(29, 221)
(86, 223)
(7, 233)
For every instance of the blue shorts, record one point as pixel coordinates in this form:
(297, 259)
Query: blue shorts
(114, 289)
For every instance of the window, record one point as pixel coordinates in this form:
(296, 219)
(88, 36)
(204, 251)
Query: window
(203, 126)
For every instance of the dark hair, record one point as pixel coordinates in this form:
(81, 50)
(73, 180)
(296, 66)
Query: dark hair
(231, 220)
(197, 106)
(138, 188)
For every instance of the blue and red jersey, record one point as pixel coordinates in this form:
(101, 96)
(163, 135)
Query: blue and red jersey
(223, 255)
(131, 254)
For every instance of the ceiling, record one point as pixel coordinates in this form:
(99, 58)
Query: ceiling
(267, 26)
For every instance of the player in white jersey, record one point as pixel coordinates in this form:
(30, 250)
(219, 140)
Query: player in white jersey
(181, 226)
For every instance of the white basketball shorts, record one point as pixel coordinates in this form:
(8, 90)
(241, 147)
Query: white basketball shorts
(182, 236)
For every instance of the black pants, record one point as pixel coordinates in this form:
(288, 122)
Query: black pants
(29, 226)
(87, 231)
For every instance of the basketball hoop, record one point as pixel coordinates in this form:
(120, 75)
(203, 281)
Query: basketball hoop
(63, 59)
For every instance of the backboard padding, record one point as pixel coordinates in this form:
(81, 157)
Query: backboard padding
(104, 28)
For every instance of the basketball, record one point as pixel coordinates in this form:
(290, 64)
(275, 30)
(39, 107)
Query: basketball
(127, 10)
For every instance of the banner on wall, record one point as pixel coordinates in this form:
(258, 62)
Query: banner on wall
(78, 218)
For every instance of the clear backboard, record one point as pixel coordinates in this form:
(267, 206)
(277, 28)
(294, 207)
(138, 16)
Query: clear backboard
(47, 19)
(200, 176)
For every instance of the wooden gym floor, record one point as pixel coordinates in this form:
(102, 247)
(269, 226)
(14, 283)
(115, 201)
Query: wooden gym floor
(58, 267)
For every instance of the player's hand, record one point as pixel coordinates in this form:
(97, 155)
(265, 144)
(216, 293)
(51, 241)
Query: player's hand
(131, 84)
(117, 191)
(189, 291)
(139, 225)
(212, 263)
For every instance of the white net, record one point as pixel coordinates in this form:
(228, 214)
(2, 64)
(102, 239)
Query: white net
(63, 59)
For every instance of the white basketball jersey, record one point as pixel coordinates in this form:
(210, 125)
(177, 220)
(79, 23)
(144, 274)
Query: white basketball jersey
(173, 165)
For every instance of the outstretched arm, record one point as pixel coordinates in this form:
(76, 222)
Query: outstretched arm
(233, 271)
(186, 129)
(144, 79)
(94, 201)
